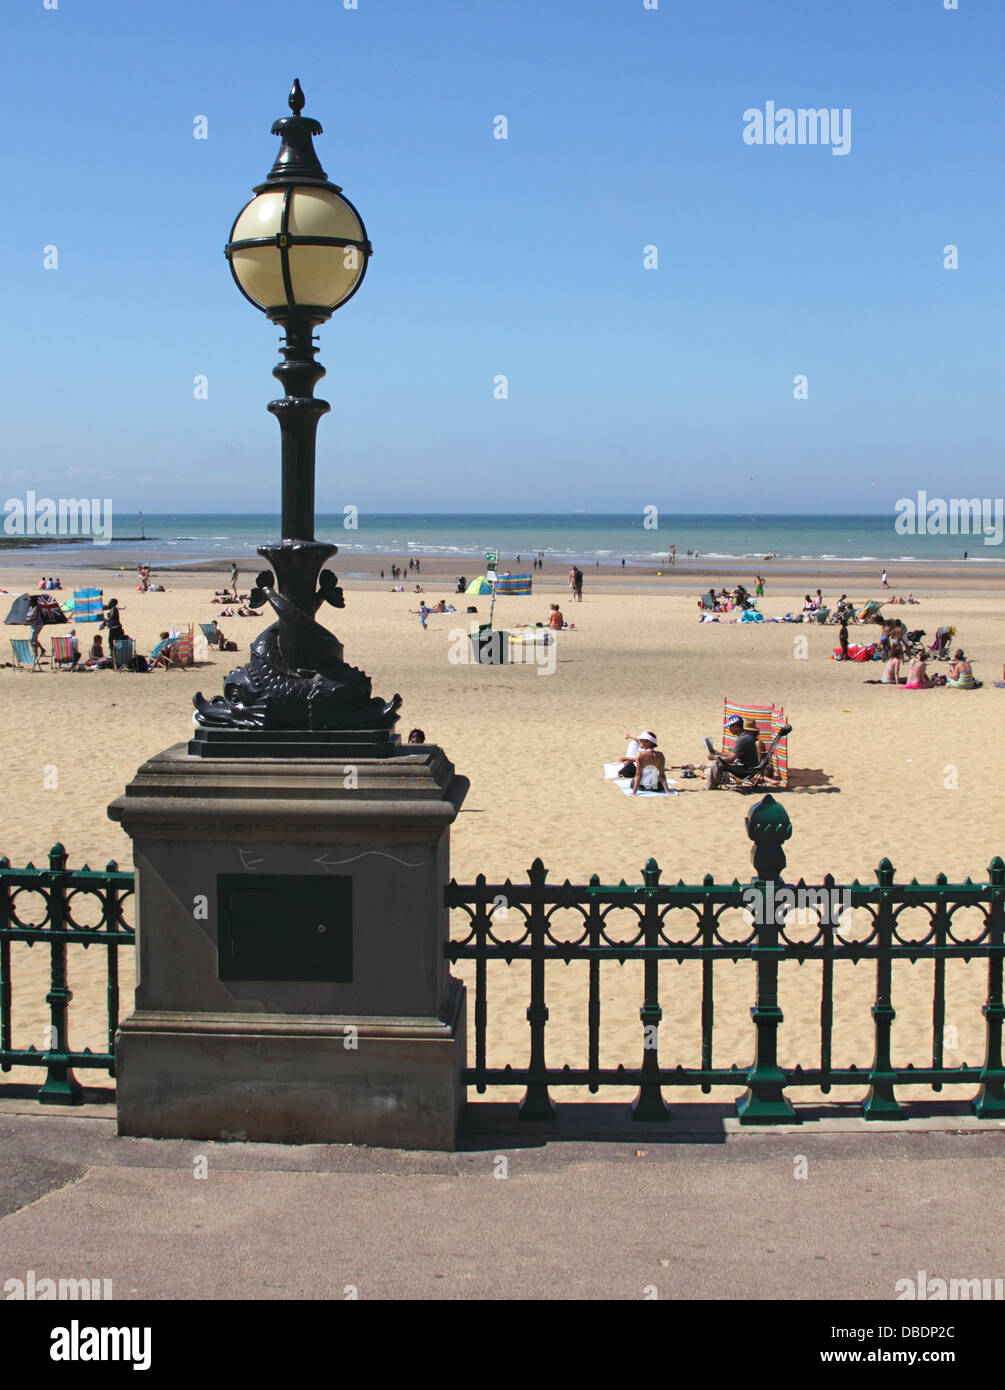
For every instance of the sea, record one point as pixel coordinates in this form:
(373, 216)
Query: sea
(586, 538)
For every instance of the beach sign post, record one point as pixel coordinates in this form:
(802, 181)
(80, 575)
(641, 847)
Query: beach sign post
(491, 566)
(291, 859)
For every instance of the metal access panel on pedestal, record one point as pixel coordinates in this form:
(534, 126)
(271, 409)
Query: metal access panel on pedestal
(284, 927)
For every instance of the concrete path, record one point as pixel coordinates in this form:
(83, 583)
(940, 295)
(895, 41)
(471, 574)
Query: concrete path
(833, 1209)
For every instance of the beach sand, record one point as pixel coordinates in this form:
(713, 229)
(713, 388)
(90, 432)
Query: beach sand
(911, 775)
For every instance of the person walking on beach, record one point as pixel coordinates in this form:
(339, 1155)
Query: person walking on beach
(577, 584)
(885, 584)
(423, 613)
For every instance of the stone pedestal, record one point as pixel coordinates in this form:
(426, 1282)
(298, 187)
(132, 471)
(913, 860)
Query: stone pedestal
(291, 978)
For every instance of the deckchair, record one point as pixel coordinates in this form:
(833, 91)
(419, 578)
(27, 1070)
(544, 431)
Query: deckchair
(754, 776)
(26, 658)
(211, 632)
(123, 651)
(870, 611)
(706, 601)
(822, 615)
(769, 719)
(64, 658)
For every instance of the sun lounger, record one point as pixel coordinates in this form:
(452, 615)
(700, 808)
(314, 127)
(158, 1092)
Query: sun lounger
(26, 658)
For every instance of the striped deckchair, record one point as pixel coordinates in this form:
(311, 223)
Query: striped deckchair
(209, 631)
(769, 719)
(123, 651)
(26, 658)
(87, 605)
(870, 610)
(62, 654)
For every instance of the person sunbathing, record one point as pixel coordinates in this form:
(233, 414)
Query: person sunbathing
(960, 674)
(555, 618)
(163, 653)
(891, 672)
(917, 675)
(650, 767)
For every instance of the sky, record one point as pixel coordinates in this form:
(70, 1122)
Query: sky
(525, 258)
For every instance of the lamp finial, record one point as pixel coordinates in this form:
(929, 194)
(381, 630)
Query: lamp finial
(297, 98)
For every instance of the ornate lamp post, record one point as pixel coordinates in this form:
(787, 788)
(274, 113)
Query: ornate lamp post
(298, 251)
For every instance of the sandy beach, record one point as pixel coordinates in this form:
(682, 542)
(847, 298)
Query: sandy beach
(913, 775)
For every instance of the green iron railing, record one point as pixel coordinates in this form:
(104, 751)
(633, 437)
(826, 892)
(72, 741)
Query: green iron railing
(37, 907)
(599, 938)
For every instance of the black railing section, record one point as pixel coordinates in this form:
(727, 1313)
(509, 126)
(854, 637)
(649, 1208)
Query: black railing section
(37, 907)
(546, 924)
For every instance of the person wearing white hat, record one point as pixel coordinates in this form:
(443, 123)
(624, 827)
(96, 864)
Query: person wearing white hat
(650, 766)
(631, 753)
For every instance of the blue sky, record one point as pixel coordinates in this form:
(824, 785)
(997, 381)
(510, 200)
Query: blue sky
(521, 257)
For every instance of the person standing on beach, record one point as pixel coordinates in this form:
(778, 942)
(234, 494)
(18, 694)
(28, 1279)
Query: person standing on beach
(233, 579)
(572, 581)
(843, 640)
(577, 585)
(34, 620)
(758, 586)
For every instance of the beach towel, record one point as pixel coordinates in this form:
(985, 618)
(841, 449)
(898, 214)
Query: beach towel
(626, 786)
(769, 719)
(87, 605)
(750, 615)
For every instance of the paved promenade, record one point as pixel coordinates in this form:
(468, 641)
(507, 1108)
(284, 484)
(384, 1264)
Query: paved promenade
(697, 1210)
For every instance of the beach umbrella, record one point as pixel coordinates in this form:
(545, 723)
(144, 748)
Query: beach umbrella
(48, 606)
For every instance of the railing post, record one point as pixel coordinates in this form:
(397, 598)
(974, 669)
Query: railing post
(764, 1102)
(537, 1104)
(649, 1104)
(989, 1103)
(881, 1103)
(5, 985)
(61, 1086)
